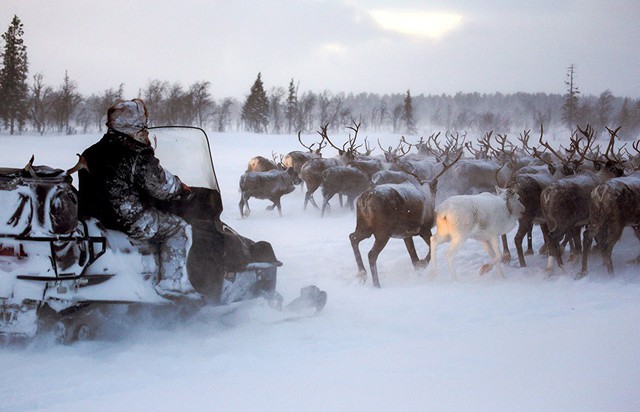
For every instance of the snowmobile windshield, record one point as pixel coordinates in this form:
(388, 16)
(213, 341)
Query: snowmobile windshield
(185, 152)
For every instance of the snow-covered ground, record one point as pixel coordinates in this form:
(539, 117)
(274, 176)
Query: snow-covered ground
(524, 343)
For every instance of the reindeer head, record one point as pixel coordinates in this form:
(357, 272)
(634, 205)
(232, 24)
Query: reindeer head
(511, 197)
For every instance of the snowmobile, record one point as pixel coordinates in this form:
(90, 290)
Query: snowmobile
(57, 270)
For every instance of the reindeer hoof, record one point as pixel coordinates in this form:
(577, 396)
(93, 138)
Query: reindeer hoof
(485, 268)
(549, 272)
(529, 252)
(506, 258)
(580, 275)
(420, 264)
(362, 276)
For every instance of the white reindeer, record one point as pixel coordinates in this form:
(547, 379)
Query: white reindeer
(483, 217)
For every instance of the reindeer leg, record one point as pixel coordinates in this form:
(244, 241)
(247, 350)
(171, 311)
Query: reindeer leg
(612, 236)
(277, 204)
(241, 207)
(425, 234)
(325, 203)
(575, 245)
(351, 202)
(433, 248)
(486, 245)
(636, 230)
(355, 238)
(555, 253)
(411, 248)
(524, 227)
(308, 197)
(529, 251)
(544, 249)
(244, 204)
(378, 245)
(274, 203)
(586, 247)
(491, 246)
(506, 255)
(456, 242)
(494, 245)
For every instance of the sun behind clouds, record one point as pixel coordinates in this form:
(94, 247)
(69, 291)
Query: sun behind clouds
(433, 25)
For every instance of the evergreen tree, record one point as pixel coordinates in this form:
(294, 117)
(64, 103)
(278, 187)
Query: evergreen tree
(291, 109)
(14, 91)
(275, 107)
(255, 111)
(407, 114)
(65, 104)
(570, 106)
(623, 119)
(605, 108)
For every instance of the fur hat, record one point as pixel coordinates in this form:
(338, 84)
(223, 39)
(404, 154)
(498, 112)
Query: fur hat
(128, 117)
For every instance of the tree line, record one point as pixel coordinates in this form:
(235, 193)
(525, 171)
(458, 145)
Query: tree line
(28, 104)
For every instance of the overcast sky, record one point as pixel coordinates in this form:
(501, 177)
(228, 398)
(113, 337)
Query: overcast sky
(378, 46)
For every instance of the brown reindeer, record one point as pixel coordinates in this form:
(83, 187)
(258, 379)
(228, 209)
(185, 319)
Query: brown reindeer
(343, 180)
(311, 171)
(399, 211)
(296, 159)
(270, 185)
(565, 202)
(529, 183)
(614, 205)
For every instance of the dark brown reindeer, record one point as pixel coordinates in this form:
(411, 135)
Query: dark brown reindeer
(296, 159)
(399, 211)
(397, 163)
(565, 202)
(474, 175)
(614, 205)
(311, 171)
(420, 164)
(529, 186)
(346, 181)
(367, 163)
(270, 185)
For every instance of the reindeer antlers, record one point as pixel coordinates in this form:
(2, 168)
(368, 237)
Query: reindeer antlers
(447, 166)
(348, 151)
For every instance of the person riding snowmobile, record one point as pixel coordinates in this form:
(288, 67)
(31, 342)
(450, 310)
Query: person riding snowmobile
(122, 179)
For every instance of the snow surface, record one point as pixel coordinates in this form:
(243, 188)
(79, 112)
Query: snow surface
(524, 343)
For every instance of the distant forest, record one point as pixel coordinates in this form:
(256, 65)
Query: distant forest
(28, 104)
(63, 110)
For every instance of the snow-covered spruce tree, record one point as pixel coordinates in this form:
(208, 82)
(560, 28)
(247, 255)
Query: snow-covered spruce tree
(291, 110)
(255, 111)
(407, 114)
(570, 105)
(14, 91)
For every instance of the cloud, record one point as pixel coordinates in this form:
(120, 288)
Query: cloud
(433, 25)
(379, 46)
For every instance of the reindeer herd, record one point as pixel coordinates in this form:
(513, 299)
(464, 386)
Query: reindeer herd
(466, 189)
